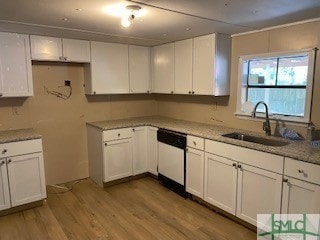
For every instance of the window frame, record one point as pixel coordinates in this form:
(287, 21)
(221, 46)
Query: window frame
(242, 88)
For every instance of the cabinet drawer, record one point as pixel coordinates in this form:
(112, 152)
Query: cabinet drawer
(20, 148)
(248, 156)
(195, 142)
(115, 134)
(302, 170)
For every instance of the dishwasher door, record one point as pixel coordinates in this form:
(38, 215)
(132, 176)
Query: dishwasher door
(171, 162)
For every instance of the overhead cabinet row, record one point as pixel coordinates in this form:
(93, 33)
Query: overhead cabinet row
(193, 66)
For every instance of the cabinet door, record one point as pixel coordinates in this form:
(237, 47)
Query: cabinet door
(203, 64)
(163, 69)
(259, 191)
(46, 48)
(183, 66)
(4, 186)
(76, 50)
(139, 69)
(109, 68)
(26, 178)
(15, 65)
(152, 150)
(220, 182)
(140, 150)
(195, 172)
(300, 197)
(117, 159)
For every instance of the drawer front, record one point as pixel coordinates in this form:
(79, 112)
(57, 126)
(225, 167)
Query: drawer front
(195, 142)
(248, 156)
(302, 170)
(20, 148)
(116, 134)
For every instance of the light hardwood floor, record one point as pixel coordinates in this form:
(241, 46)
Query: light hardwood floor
(140, 209)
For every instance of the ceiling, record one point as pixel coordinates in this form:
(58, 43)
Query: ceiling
(164, 20)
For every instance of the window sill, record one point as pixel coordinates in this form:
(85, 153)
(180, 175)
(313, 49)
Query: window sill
(295, 121)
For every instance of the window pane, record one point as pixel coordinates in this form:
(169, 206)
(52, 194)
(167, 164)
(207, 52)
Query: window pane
(293, 71)
(263, 72)
(280, 101)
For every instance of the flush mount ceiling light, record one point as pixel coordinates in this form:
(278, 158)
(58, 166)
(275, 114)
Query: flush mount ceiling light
(131, 13)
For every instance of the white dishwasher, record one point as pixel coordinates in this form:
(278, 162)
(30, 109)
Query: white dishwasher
(172, 160)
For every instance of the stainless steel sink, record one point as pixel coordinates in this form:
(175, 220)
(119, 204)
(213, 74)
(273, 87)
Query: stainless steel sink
(254, 139)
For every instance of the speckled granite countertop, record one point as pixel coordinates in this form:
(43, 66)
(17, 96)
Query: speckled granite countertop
(300, 150)
(18, 135)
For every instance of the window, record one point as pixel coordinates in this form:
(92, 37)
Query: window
(282, 80)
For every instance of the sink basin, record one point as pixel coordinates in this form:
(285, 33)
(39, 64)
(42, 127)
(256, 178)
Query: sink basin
(254, 139)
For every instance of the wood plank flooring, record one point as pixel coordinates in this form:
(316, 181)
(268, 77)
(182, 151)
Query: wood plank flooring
(140, 209)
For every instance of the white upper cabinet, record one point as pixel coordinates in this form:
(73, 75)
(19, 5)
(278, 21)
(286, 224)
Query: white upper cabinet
(109, 72)
(183, 66)
(211, 64)
(139, 69)
(45, 48)
(163, 69)
(76, 50)
(15, 65)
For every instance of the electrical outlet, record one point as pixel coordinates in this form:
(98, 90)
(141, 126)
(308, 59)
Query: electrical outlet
(15, 111)
(67, 83)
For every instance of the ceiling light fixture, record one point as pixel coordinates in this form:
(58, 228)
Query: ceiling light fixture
(129, 16)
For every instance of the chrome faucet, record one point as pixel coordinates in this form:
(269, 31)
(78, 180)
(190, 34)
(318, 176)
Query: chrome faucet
(266, 125)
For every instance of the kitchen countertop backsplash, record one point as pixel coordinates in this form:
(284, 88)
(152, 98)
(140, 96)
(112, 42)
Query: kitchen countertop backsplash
(300, 150)
(18, 135)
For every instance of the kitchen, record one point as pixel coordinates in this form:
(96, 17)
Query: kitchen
(62, 123)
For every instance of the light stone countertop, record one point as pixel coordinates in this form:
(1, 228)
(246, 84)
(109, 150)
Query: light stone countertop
(17, 135)
(300, 150)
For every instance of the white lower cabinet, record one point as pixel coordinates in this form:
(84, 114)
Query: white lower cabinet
(301, 187)
(119, 153)
(259, 191)
(237, 183)
(22, 177)
(300, 197)
(140, 151)
(152, 145)
(194, 172)
(220, 185)
(118, 159)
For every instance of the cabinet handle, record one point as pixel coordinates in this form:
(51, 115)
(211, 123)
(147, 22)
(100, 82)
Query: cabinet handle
(192, 92)
(189, 92)
(0, 94)
(234, 165)
(9, 160)
(118, 134)
(194, 143)
(239, 166)
(171, 92)
(300, 171)
(285, 180)
(3, 162)
(94, 92)
(4, 151)
(60, 58)
(133, 129)
(105, 144)
(65, 58)
(148, 91)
